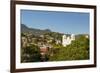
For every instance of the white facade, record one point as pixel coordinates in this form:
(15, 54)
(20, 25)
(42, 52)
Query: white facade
(64, 40)
(67, 40)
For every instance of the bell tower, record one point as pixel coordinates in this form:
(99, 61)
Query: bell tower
(64, 40)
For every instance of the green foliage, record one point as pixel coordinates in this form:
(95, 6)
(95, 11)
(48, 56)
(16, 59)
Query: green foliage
(30, 54)
(78, 50)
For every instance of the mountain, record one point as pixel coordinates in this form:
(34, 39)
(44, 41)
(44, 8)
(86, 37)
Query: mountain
(25, 29)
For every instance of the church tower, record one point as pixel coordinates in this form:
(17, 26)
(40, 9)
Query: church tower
(64, 40)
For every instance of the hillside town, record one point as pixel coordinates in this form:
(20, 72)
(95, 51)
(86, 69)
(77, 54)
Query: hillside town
(28, 39)
(45, 42)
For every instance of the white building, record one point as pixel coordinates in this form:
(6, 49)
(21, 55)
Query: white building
(64, 39)
(67, 40)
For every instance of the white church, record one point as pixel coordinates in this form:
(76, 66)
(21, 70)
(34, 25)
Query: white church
(67, 40)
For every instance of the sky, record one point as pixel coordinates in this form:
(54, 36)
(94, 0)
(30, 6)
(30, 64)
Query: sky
(63, 22)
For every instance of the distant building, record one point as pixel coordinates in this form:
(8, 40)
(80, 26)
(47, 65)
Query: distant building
(24, 41)
(42, 36)
(86, 36)
(67, 40)
(43, 50)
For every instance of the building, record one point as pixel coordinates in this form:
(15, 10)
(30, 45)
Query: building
(64, 40)
(24, 42)
(58, 42)
(67, 40)
(44, 52)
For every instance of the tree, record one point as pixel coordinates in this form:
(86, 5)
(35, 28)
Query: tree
(30, 54)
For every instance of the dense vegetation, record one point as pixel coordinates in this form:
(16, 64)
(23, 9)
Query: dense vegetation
(78, 50)
(30, 54)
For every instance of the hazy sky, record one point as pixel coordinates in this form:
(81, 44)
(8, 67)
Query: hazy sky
(63, 22)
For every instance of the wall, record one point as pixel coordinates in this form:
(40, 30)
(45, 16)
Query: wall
(5, 37)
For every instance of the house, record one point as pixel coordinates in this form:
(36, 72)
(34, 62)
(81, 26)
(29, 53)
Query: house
(43, 50)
